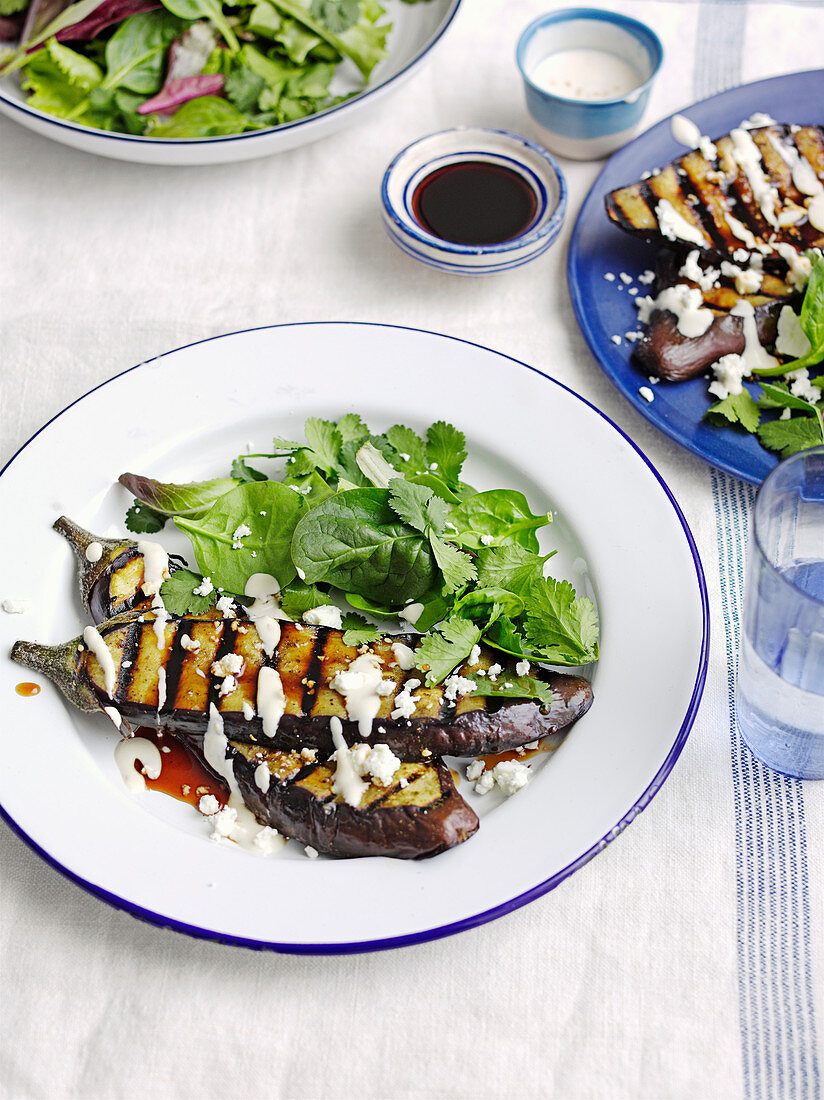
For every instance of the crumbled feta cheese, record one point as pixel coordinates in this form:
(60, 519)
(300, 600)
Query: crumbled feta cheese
(646, 278)
(267, 839)
(474, 656)
(456, 685)
(646, 393)
(229, 665)
(610, 278)
(205, 588)
(381, 763)
(485, 783)
(404, 703)
(510, 776)
(226, 606)
(522, 668)
(487, 540)
(227, 686)
(311, 852)
(248, 710)
(223, 822)
(800, 386)
(625, 279)
(15, 607)
(494, 671)
(208, 805)
(475, 769)
(192, 644)
(325, 615)
(691, 269)
(729, 372)
(616, 339)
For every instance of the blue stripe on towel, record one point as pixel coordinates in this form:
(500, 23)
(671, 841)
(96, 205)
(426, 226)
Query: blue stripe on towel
(775, 979)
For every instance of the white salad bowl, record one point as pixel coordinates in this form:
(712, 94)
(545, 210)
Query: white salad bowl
(416, 30)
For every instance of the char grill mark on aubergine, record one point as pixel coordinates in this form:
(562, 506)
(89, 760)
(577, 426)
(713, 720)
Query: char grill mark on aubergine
(477, 725)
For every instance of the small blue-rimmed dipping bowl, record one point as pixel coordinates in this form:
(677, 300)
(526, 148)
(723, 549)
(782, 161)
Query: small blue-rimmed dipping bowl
(587, 128)
(418, 161)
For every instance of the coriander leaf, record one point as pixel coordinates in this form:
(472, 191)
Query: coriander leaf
(510, 686)
(498, 516)
(738, 408)
(411, 502)
(178, 594)
(790, 436)
(457, 567)
(242, 471)
(445, 451)
(562, 626)
(167, 498)
(511, 567)
(818, 381)
(324, 441)
(357, 631)
(143, 520)
(351, 427)
(776, 395)
(338, 15)
(249, 530)
(297, 598)
(410, 447)
(478, 601)
(447, 646)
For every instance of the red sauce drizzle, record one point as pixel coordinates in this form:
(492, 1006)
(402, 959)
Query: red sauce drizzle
(28, 689)
(182, 774)
(512, 754)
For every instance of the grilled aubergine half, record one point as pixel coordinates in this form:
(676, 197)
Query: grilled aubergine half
(716, 197)
(418, 814)
(172, 686)
(664, 352)
(112, 583)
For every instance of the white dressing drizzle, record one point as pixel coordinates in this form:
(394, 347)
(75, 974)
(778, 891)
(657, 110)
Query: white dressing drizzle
(271, 701)
(753, 355)
(137, 750)
(685, 302)
(675, 227)
(92, 638)
(747, 156)
(685, 132)
(244, 828)
(346, 782)
(155, 566)
(404, 656)
(262, 778)
(161, 688)
(412, 612)
(114, 714)
(815, 213)
(361, 685)
(94, 552)
(162, 616)
(264, 611)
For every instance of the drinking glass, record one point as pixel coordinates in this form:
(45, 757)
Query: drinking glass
(780, 688)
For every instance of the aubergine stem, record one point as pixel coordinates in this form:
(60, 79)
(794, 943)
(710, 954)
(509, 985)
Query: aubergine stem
(90, 572)
(58, 664)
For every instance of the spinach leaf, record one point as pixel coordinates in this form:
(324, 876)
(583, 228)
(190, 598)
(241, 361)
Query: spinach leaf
(194, 498)
(479, 602)
(136, 52)
(497, 517)
(356, 542)
(249, 530)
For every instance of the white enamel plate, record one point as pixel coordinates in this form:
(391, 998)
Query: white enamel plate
(620, 537)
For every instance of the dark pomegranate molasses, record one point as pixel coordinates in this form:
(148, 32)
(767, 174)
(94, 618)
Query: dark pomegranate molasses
(474, 202)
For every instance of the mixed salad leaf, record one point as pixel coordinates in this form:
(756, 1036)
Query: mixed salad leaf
(191, 68)
(383, 523)
(791, 393)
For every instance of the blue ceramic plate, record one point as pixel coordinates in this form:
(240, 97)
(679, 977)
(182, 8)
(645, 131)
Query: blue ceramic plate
(604, 309)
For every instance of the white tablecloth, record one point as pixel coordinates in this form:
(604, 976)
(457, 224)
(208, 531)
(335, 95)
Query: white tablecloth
(684, 961)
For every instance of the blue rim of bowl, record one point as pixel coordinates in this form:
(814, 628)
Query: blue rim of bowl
(498, 910)
(143, 139)
(457, 268)
(599, 15)
(531, 236)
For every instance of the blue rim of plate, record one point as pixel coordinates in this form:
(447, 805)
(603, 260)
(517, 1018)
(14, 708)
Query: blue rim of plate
(284, 127)
(496, 911)
(597, 247)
